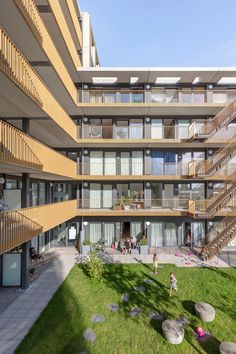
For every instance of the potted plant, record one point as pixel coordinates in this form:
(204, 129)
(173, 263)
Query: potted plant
(118, 205)
(126, 203)
(144, 246)
(86, 247)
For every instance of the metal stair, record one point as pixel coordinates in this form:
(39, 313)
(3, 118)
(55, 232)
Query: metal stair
(210, 127)
(217, 161)
(223, 235)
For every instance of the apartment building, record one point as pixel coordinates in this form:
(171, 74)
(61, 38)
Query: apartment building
(105, 154)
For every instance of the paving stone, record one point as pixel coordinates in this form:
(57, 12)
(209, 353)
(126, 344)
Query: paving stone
(113, 307)
(98, 318)
(135, 312)
(125, 297)
(148, 281)
(89, 335)
(140, 288)
(156, 316)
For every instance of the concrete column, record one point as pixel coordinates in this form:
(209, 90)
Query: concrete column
(26, 125)
(25, 202)
(147, 128)
(148, 195)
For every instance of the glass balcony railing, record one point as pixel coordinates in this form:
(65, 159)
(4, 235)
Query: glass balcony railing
(128, 203)
(121, 132)
(156, 95)
(127, 168)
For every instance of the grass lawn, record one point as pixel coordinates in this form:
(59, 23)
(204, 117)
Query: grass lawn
(60, 327)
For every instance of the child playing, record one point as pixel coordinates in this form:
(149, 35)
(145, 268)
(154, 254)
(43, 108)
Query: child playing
(173, 283)
(199, 331)
(155, 265)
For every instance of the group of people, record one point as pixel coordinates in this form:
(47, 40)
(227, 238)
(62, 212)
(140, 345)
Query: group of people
(128, 245)
(173, 280)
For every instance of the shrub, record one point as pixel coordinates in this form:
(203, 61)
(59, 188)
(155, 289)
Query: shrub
(86, 243)
(144, 242)
(94, 265)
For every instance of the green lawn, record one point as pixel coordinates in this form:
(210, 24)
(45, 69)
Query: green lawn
(60, 327)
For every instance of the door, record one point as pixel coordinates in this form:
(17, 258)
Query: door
(168, 196)
(95, 195)
(107, 196)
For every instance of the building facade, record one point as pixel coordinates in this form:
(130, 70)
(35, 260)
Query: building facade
(106, 154)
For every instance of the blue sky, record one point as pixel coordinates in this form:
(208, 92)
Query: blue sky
(164, 32)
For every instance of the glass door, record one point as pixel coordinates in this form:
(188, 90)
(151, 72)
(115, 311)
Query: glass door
(95, 196)
(110, 163)
(122, 129)
(107, 196)
(156, 195)
(96, 163)
(136, 129)
(156, 129)
(168, 198)
(157, 234)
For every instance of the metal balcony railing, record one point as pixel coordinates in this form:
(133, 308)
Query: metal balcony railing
(16, 227)
(15, 147)
(31, 14)
(15, 66)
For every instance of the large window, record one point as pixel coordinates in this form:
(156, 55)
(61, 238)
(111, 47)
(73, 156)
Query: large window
(164, 163)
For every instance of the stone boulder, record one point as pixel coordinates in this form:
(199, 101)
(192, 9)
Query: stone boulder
(228, 348)
(172, 331)
(205, 311)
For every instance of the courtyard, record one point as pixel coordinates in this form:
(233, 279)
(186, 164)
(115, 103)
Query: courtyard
(133, 326)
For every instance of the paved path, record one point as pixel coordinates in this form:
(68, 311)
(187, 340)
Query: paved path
(181, 258)
(18, 318)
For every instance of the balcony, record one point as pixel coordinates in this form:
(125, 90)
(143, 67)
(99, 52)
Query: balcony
(130, 206)
(19, 226)
(41, 47)
(158, 96)
(126, 170)
(18, 149)
(14, 65)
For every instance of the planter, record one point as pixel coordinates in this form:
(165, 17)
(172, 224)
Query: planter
(86, 249)
(126, 207)
(117, 207)
(143, 249)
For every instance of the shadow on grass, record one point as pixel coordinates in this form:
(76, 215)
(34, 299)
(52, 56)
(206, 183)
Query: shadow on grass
(49, 333)
(189, 306)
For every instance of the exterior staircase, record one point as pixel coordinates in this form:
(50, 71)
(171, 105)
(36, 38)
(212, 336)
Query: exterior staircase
(224, 196)
(210, 127)
(224, 233)
(217, 161)
(16, 228)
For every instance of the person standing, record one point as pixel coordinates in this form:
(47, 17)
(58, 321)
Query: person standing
(173, 283)
(155, 264)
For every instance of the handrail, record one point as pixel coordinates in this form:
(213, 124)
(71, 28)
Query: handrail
(14, 147)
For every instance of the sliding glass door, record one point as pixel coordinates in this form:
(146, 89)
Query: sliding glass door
(125, 163)
(109, 233)
(95, 196)
(107, 196)
(110, 163)
(137, 163)
(96, 163)
(156, 129)
(136, 129)
(95, 232)
(157, 234)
